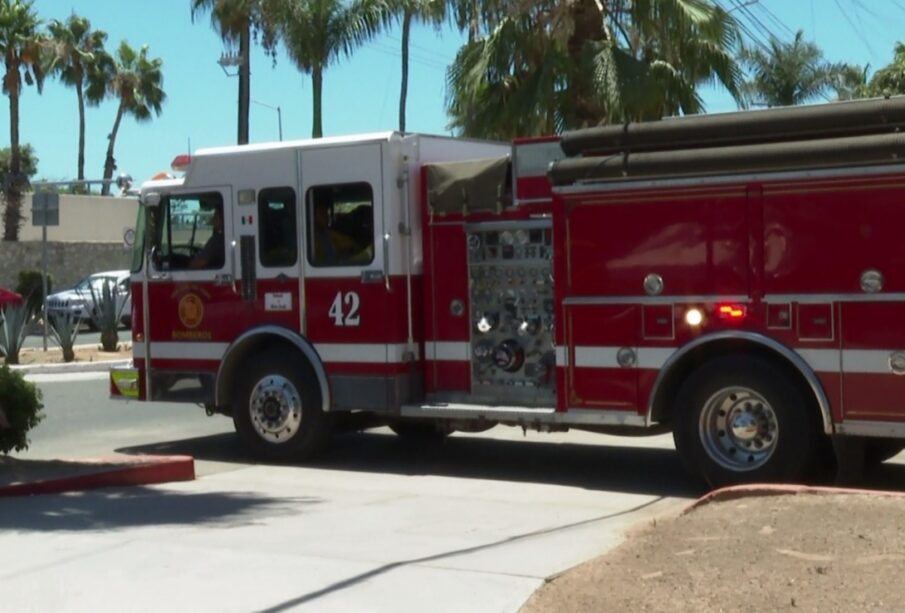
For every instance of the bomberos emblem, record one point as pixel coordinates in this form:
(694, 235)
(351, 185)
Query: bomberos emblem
(191, 310)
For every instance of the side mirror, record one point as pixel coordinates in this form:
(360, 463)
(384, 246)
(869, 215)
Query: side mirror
(151, 200)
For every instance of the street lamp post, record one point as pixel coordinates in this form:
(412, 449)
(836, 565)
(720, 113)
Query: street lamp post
(279, 115)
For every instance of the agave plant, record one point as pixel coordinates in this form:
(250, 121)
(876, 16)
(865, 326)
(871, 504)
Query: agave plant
(65, 329)
(107, 312)
(15, 322)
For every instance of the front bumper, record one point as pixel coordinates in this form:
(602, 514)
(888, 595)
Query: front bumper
(125, 383)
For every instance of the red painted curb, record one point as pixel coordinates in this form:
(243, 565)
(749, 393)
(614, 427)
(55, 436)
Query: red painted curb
(734, 492)
(112, 472)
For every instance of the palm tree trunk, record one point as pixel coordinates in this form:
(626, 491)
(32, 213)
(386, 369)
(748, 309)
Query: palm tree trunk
(81, 95)
(12, 216)
(403, 94)
(588, 27)
(244, 84)
(109, 162)
(317, 81)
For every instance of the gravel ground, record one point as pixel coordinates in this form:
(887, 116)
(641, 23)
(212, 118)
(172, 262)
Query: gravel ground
(804, 552)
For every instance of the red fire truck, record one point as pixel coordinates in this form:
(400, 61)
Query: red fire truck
(738, 279)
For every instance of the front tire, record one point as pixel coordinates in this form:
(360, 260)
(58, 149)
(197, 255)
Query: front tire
(277, 409)
(743, 420)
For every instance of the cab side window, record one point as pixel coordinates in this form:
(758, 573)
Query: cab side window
(277, 227)
(189, 233)
(340, 224)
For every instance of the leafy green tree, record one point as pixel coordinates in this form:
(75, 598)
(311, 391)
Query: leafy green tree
(427, 11)
(21, 47)
(76, 51)
(792, 73)
(316, 32)
(236, 21)
(549, 66)
(136, 81)
(852, 83)
(890, 80)
(28, 162)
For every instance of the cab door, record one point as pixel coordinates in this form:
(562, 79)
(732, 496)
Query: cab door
(191, 284)
(348, 315)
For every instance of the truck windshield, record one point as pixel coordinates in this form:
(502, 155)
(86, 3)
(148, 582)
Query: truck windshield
(188, 232)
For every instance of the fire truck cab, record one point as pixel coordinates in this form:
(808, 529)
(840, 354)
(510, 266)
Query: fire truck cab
(737, 279)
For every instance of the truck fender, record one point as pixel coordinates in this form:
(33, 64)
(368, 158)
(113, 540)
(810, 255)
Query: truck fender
(255, 337)
(771, 346)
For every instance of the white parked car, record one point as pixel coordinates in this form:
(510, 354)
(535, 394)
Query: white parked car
(80, 301)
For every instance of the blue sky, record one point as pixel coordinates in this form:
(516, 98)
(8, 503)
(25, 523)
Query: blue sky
(360, 93)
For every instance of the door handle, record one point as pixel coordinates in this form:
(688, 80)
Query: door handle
(163, 276)
(223, 279)
(386, 260)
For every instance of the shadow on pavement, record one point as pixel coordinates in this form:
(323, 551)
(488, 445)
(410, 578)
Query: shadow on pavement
(595, 467)
(112, 509)
(636, 470)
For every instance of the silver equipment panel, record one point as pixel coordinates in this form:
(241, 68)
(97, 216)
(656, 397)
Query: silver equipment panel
(512, 308)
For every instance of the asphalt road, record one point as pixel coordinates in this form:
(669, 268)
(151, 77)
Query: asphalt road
(85, 337)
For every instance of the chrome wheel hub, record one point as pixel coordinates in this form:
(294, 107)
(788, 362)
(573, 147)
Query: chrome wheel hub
(276, 409)
(738, 428)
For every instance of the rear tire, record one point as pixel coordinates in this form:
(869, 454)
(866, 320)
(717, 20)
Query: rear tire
(277, 409)
(743, 420)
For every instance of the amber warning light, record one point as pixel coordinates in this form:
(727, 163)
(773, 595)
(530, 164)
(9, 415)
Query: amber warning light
(732, 312)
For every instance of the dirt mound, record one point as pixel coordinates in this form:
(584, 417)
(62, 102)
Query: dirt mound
(807, 552)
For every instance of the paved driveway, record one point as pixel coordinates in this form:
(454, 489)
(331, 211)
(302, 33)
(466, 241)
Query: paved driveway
(474, 524)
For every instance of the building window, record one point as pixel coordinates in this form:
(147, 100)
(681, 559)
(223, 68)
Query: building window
(277, 227)
(340, 224)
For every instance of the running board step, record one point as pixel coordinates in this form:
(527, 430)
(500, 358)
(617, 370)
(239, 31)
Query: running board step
(527, 415)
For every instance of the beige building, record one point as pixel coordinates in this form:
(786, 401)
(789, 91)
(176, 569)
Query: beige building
(85, 219)
(89, 238)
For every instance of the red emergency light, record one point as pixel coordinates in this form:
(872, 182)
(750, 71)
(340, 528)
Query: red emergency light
(181, 162)
(732, 312)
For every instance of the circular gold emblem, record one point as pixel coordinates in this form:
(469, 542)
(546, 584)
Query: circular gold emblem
(191, 310)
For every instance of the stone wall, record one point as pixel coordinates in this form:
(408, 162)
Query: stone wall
(67, 262)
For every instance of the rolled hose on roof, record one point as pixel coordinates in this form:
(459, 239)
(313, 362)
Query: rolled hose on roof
(859, 117)
(822, 153)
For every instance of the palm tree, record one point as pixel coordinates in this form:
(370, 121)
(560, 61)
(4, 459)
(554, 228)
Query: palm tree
(890, 80)
(21, 48)
(787, 74)
(76, 50)
(564, 65)
(316, 32)
(853, 83)
(136, 81)
(427, 11)
(235, 21)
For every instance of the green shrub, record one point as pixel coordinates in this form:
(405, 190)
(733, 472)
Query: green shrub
(108, 310)
(20, 404)
(65, 329)
(15, 323)
(29, 286)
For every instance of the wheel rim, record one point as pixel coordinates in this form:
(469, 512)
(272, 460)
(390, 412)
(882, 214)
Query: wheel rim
(739, 429)
(276, 409)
